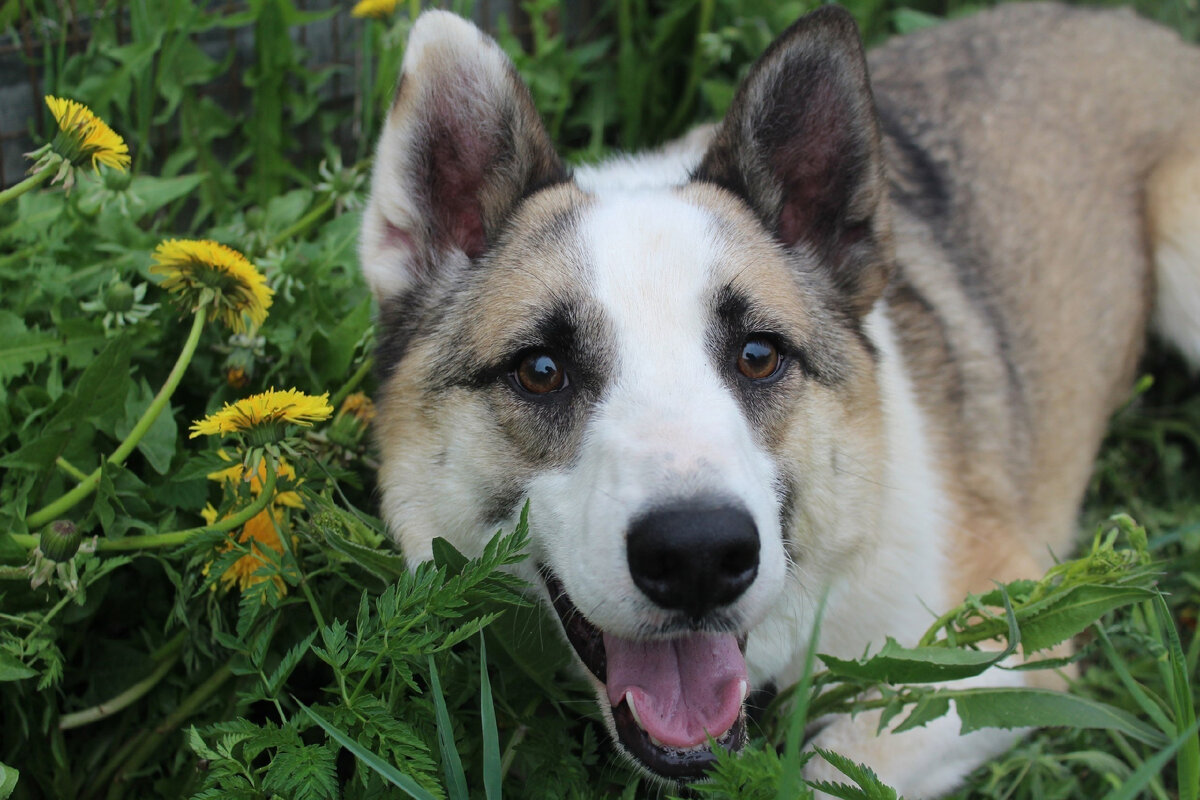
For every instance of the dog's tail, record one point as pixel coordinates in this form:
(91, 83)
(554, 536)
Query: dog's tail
(1173, 217)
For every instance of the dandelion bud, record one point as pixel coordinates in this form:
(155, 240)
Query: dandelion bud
(255, 217)
(328, 524)
(117, 180)
(345, 180)
(119, 297)
(60, 540)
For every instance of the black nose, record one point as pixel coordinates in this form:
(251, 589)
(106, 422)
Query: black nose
(694, 557)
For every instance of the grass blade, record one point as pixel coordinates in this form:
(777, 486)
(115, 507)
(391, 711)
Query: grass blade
(789, 779)
(1188, 762)
(491, 737)
(1151, 769)
(385, 770)
(456, 780)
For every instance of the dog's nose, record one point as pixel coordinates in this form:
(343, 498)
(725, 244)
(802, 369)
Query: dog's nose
(693, 558)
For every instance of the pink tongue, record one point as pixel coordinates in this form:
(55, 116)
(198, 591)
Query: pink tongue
(682, 689)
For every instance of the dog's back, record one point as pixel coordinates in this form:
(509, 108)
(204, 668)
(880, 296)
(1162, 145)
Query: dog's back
(1041, 156)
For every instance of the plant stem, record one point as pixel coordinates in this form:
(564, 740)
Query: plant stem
(305, 222)
(85, 487)
(32, 182)
(173, 538)
(69, 468)
(363, 370)
(154, 738)
(129, 696)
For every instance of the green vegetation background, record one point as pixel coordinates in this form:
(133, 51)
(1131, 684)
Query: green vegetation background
(215, 681)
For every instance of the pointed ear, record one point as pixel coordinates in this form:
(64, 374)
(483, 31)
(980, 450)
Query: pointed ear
(800, 144)
(461, 146)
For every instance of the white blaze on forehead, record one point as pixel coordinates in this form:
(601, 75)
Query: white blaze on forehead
(668, 427)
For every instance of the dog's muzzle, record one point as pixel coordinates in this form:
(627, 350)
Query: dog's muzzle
(673, 694)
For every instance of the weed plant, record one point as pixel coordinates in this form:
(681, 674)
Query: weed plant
(171, 629)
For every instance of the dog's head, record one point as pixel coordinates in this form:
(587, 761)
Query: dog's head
(678, 380)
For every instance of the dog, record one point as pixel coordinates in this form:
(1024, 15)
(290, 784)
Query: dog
(860, 341)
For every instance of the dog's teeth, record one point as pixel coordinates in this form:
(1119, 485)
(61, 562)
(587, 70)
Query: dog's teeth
(743, 690)
(633, 710)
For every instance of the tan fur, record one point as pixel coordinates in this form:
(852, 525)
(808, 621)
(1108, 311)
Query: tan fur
(1048, 138)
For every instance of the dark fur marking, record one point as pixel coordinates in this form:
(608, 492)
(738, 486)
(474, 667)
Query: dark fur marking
(502, 503)
(400, 318)
(918, 182)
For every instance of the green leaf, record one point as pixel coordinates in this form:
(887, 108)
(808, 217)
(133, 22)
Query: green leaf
(491, 736)
(1038, 708)
(13, 670)
(929, 707)
(158, 445)
(896, 664)
(288, 663)
(21, 347)
(302, 773)
(8, 780)
(384, 564)
(1151, 768)
(456, 779)
(1187, 764)
(869, 787)
(1073, 611)
(377, 764)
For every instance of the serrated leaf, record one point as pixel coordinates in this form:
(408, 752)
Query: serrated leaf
(1071, 613)
(1040, 708)
(896, 664)
(868, 787)
(929, 707)
(302, 773)
(289, 663)
(13, 670)
(377, 764)
(385, 565)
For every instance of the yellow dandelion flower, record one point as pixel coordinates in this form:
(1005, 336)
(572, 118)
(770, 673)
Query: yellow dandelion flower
(84, 135)
(374, 8)
(266, 409)
(193, 267)
(283, 471)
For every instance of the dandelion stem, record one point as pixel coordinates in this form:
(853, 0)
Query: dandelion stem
(88, 485)
(32, 182)
(69, 468)
(154, 738)
(131, 695)
(305, 222)
(363, 370)
(173, 538)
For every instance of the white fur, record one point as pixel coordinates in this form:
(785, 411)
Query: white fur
(668, 427)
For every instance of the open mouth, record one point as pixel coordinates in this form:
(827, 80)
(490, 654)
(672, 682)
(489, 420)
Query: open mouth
(669, 697)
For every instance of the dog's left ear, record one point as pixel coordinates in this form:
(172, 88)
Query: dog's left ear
(800, 144)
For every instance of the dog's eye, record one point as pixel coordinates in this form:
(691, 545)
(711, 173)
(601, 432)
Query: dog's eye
(538, 373)
(758, 359)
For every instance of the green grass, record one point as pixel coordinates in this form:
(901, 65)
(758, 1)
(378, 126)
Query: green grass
(129, 670)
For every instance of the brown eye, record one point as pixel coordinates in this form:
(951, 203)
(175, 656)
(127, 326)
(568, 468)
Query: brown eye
(539, 373)
(759, 358)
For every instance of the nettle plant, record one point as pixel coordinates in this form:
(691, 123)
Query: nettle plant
(196, 601)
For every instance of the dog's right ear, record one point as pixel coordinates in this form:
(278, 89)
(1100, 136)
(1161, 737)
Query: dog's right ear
(461, 146)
